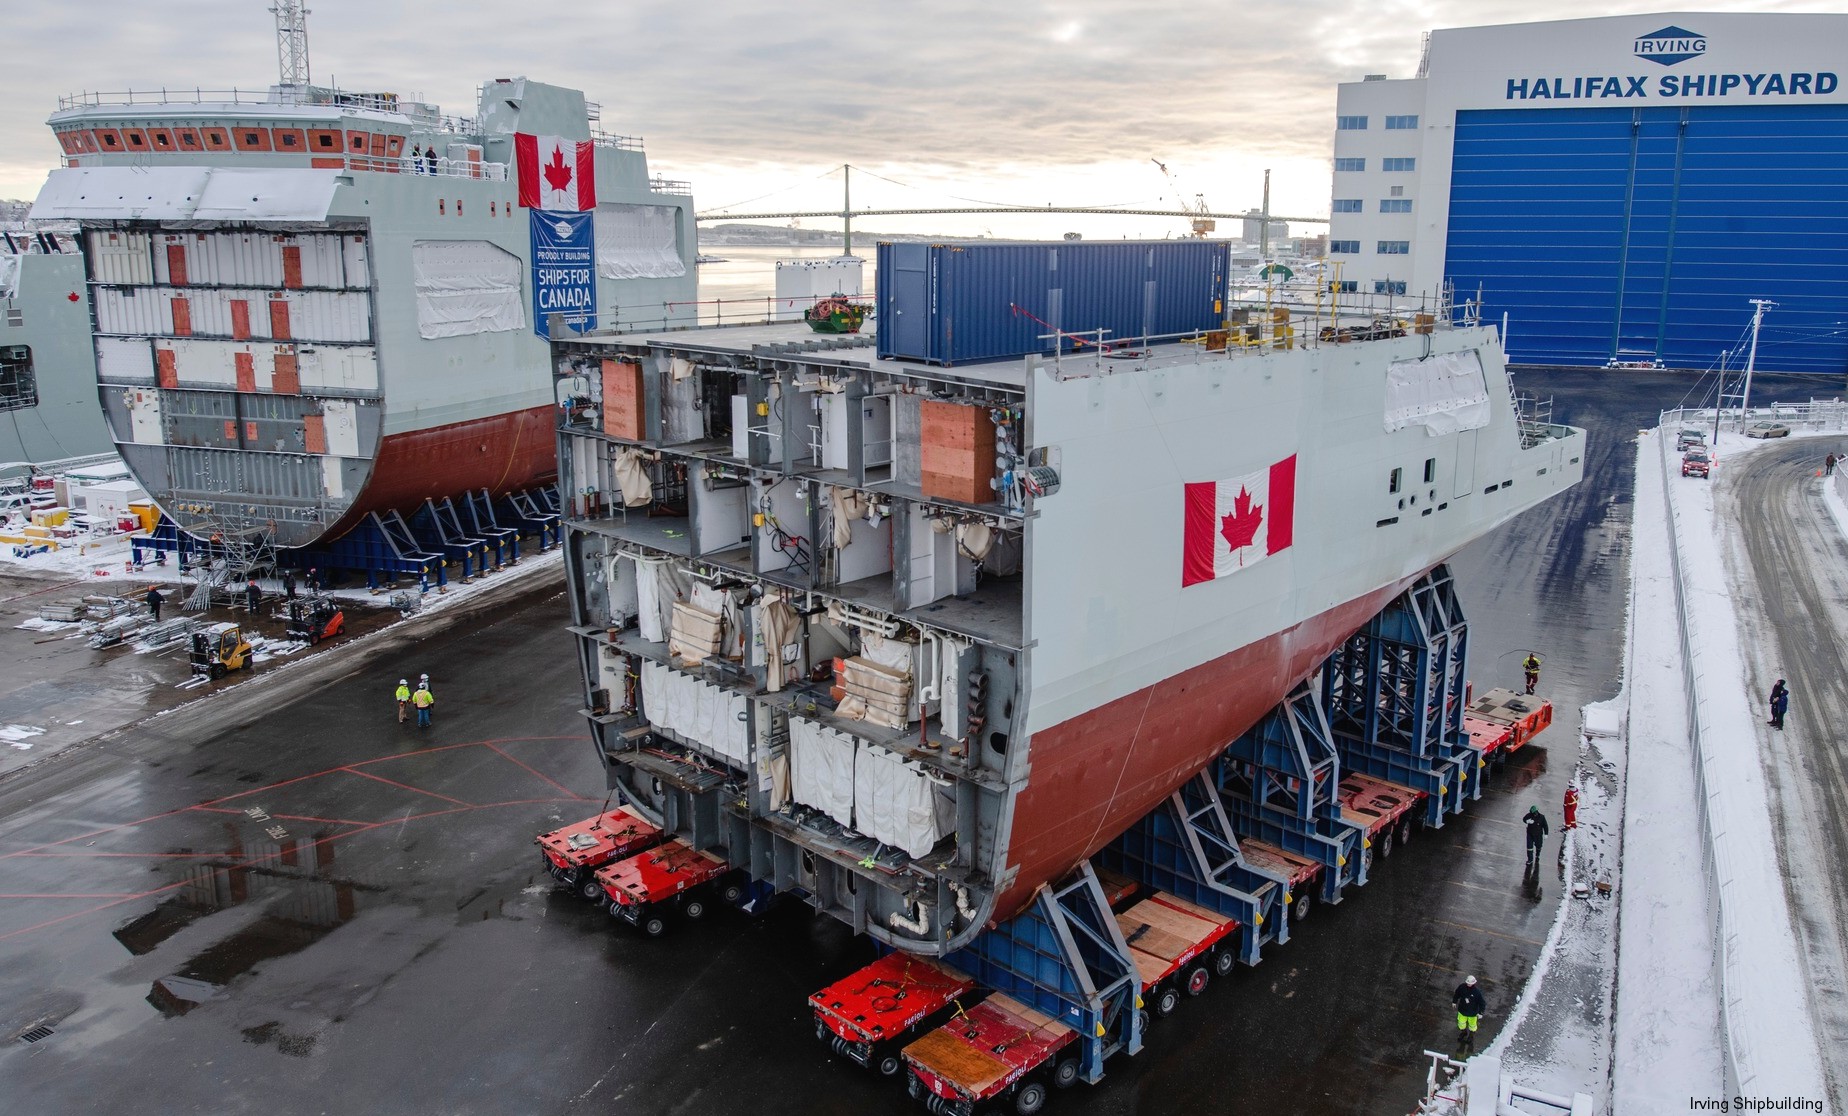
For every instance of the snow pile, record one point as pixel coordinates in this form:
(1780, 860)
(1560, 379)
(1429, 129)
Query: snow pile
(20, 736)
(1769, 1042)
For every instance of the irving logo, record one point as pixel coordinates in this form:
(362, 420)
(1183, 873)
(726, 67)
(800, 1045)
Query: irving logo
(1670, 45)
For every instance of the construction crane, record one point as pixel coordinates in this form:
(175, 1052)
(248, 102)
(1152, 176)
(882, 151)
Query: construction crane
(1202, 224)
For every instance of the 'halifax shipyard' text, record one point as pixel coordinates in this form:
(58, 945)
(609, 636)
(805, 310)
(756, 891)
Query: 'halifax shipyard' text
(1671, 85)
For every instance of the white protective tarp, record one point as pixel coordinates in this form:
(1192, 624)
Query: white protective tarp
(700, 713)
(466, 287)
(896, 802)
(821, 769)
(658, 585)
(638, 242)
(1443, 393)
(256, 194)
(9, 276)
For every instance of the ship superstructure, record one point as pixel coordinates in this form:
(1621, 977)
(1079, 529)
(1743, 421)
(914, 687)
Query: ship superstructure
(915, 640)
(313, 304)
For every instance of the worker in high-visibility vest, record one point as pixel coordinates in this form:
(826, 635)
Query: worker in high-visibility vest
(1531, 665)
(404, 698)
(423, 699)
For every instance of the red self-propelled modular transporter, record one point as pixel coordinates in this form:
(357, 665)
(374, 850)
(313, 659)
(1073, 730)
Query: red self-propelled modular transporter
(870, 1015)
(574, 853)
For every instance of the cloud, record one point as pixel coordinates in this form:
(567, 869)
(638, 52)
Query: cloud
(1042, 98)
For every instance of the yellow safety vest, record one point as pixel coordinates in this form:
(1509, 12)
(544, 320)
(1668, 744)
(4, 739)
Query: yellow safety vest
(404, 693)
(424, 699)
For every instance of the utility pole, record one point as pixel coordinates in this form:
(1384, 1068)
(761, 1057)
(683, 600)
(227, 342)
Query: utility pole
(847, 207)
(1264, 225)
(1719, 398)
(1751, 359)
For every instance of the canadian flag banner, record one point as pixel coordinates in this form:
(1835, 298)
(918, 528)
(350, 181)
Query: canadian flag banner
(1235, 523)
(555, 173)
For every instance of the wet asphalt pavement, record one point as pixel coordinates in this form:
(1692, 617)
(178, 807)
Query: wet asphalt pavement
(281, 901)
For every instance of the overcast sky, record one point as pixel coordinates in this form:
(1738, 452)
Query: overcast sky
(1022, 102)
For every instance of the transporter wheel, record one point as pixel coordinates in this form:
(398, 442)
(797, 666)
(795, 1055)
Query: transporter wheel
(1197, 980)
(614, 910)
(546, 865)
(654, 926)
(1065, 1074)
(1299, 906)
(889, 1063)
(1405, 831)
(694, 908)
(1142, 1021)
(589, 888)
(1224, 962)
(1167, 998)
(732, 893)
(1030, 1099)
(1384, 844)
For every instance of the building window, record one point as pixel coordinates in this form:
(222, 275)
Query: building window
(1398, 191)
(1389, 286)
(18, 386)
(1395, 248)
(1399, 164)
(1344, 247)
(1395, 205)
(1392, 484)
(1401, 123)
(1348, 205)
(1344, 286)
(1344, 165)
(1352, 123)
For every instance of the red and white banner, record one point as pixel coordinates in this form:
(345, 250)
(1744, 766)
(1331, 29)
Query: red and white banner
(558, 174)
(1234, 523)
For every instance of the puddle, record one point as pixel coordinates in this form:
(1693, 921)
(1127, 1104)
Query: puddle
(296, 1046)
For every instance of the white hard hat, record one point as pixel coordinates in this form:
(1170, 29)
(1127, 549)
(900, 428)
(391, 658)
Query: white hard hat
(1471, 979)
(404, 681)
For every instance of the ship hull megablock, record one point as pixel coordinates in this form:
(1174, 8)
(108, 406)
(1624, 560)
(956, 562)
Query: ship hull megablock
(915, 640)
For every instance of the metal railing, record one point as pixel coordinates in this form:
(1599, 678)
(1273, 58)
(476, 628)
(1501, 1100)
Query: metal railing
(671, 186)
(1818, 415)
(611, 139)
(422, 113)
(377, 164)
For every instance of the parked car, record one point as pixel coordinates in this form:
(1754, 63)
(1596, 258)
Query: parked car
(1696, 463)
(1688, 438)
(1767, 430)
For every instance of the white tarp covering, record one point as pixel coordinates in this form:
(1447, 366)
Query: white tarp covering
(698, 712)
(9, 276)
(821, 769)
(658, 585)
(896, 802)
(638, 242)
(1444, 394)
(195, 193)
(465, 287)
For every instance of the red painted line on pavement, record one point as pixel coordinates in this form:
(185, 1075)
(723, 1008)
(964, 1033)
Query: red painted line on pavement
(281, 817)
(95, 833)
(150, 856)
(73, 895)
(547, 778)
(405, 786)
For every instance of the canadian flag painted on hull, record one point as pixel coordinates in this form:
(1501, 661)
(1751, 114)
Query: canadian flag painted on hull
(1231, 524)
(555, 173)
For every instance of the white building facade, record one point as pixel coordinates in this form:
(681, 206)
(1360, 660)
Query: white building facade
(1619, 187)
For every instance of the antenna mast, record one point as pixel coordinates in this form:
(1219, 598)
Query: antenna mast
(292, 42)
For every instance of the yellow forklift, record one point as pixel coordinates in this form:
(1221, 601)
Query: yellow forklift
(218, 649)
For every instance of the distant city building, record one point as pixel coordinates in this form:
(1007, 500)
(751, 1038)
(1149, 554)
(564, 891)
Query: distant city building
(1618, 187)
(1254, 228)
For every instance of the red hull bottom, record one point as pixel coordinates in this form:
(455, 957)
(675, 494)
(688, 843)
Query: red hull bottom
(501, 453)
(1095, 775)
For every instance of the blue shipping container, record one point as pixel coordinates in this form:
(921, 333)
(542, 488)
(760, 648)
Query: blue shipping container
(957, 303)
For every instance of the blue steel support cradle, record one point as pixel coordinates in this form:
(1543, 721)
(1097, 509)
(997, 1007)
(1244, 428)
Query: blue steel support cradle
(1065, 956)
(1279, 783)
(1187, 847)
(381, 544)
(1394, 696)
(483, 525)
(534, 512)
(439, 530)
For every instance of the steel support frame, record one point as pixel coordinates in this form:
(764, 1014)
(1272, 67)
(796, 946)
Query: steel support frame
(1394, 695)
(1279, 783)
(1188, 847)
(1065, 956)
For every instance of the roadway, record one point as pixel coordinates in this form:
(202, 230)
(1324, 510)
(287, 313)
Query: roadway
(1791, 554)
(281, 900)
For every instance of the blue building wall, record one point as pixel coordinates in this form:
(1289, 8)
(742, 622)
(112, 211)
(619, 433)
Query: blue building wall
(1641, 234)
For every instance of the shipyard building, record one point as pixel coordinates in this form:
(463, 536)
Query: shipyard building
(1619, 188)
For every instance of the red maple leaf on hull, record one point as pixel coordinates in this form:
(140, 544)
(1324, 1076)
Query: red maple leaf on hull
(1241, 527)
(557, 174)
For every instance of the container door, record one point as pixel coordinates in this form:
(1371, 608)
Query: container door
(910, 301)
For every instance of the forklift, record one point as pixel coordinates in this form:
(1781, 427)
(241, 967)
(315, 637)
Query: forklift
(219, 649)
(315, 619)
